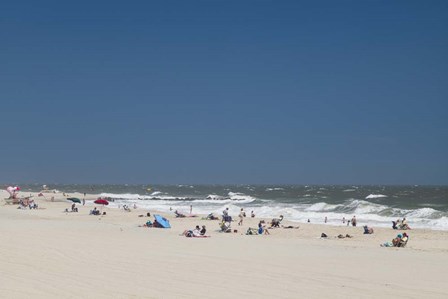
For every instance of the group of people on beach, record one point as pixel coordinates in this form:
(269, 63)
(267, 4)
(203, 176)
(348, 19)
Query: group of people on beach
(225, 225)
(403, 225)
(197, 232)
(27, 203)
(399, 241)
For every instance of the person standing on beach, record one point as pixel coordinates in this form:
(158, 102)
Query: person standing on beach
(325, 219)
(343, 220)
(354, 221)
(241, 216)
(191, 209)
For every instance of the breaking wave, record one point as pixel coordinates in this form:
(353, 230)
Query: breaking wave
(371, 196)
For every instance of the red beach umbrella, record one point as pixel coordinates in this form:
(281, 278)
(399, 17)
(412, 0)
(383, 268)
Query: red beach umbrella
(101, 202)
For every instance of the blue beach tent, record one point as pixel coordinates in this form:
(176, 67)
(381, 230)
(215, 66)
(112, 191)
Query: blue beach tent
(162, 221)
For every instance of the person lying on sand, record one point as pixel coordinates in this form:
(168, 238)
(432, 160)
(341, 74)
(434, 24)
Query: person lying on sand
(147, 215)
(179, 215)
(343, 237)
(252, 231)
(290, 226)
(211, 217)
(147, 224)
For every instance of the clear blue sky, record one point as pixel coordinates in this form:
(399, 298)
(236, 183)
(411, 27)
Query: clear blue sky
(293, 92)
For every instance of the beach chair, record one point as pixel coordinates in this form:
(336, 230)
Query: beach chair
(402, 243)
(225, 227)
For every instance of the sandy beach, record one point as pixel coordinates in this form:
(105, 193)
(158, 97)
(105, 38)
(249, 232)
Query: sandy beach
(47, 253)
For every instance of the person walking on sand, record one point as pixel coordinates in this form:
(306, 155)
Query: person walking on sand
(241, 216)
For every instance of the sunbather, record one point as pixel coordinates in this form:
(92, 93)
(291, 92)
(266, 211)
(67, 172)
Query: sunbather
(343, 237)
(211, 217)
(178, 215)
(195, 233)
(252, 231)
(290, 226)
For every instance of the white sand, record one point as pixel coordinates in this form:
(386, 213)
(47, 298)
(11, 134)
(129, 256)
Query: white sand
(46, 253)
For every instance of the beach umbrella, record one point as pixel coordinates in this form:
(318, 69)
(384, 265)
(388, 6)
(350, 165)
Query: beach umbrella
(101, 202)
(74, 199)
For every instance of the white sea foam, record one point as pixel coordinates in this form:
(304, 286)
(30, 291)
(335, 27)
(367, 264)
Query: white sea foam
(424, 213)
(214, 197)
(367, 213)
(274, 189)
(241, 197)
(375, 196)
(322, 207)
(128, 196)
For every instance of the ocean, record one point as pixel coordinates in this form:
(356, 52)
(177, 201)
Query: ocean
(423, 206)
